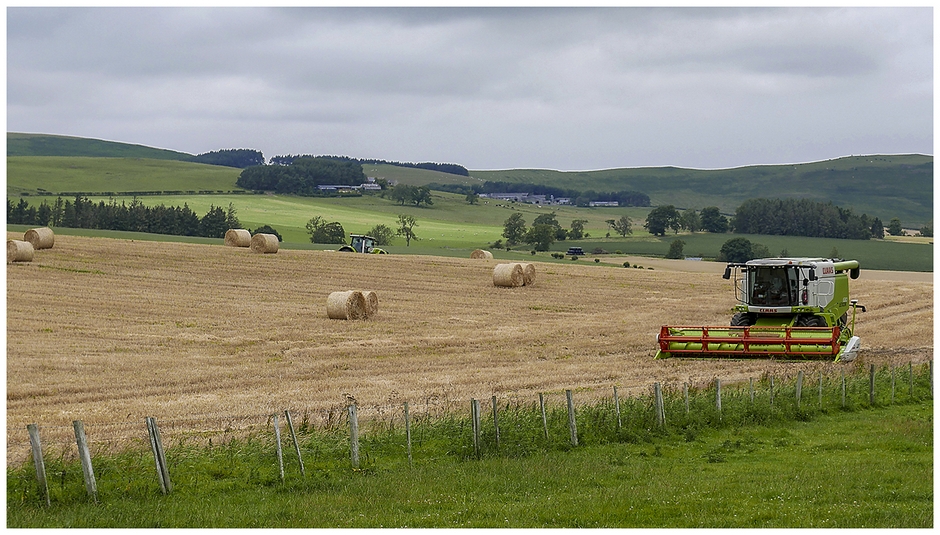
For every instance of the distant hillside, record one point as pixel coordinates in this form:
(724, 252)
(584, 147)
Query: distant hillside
(48, 145)
(883, 186)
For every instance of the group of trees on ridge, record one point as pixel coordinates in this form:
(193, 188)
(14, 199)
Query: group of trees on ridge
(302, 176)
(784, 217)
(449, 168)
(244, 158)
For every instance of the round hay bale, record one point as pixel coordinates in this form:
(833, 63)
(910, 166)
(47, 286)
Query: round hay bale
(41, 238)
(372, 303)
(237, 237)
(19, 251)
(480, 253)
(264, 243)
(528, 272)
(348, 305)
(508, 275)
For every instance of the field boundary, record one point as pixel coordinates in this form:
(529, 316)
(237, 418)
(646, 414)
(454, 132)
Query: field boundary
(665, 407)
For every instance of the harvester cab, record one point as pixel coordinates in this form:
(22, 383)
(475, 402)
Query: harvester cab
(788, 308)
(361, 244)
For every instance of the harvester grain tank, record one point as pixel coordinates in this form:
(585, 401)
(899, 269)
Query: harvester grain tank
(789, 309)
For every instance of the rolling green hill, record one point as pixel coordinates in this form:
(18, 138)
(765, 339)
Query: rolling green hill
(47, 145)
(881, 186)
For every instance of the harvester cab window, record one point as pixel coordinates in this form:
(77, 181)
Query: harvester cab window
(773, 286)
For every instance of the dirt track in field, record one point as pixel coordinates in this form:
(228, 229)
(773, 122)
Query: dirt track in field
(111, 331)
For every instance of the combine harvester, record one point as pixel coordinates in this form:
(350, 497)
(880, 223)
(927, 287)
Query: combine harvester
(790, 309)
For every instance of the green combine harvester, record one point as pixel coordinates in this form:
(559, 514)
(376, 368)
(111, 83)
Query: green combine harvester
(790, 309)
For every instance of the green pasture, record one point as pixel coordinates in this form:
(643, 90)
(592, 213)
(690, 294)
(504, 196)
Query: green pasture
(453, 227)
(39, 175)
(882, 186)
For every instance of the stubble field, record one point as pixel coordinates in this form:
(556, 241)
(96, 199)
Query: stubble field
(203, 337)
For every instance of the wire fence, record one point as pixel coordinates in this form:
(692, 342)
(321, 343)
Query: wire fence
(350, 436)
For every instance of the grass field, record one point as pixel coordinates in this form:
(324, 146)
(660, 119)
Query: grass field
(451, 226)
(862, 468)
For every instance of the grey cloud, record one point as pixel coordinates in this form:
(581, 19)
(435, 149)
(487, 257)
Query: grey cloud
(486, 87)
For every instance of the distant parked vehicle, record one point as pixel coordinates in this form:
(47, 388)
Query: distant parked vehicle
(575, 251)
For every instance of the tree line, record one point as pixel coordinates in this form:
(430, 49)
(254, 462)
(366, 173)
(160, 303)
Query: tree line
(136, 217)
(449, 168)
(783, 217)
(240, 158)
(302, 176)
(803, 217)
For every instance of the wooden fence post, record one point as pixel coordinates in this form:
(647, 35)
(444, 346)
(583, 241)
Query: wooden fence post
(718, 396)
(475, 425)
(544, 418)
(894, 371)
(277, 442)
(658, 402)
(572, 424)
(685, 394)
(771, 390)
(353, 436)
(930, 369)
(820, 390)
(843, 389)
(33, 430)
(910, 374)
(87, 471)
(871, 386)
(752, 389)
(293, 436)
(617, 408)
(495, 423)
(799, 388)
(408, 433)
(156, 444)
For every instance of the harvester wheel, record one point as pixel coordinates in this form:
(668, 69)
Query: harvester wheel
(810, 321)
(741, 319)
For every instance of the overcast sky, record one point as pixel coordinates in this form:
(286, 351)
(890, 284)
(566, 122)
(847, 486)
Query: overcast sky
(498, 88)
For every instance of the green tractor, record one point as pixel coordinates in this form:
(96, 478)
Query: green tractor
(362, 244)
(789, 308)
